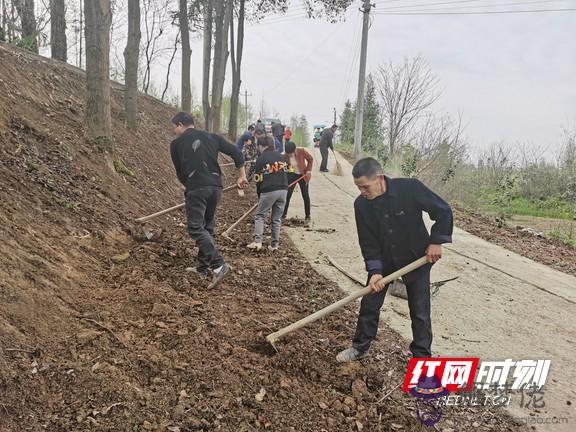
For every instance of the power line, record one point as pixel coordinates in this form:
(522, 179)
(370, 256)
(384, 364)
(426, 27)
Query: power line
(478, 12)
(522, 3)
(348, 75)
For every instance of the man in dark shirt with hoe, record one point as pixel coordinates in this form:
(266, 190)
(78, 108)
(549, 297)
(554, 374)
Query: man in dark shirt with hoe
(195, 157)
(392, 234)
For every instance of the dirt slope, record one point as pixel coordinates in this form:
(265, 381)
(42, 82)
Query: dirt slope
(89, 344)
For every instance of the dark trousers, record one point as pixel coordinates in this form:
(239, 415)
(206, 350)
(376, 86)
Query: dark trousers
(418, 289)
(303, 189)
(324, 163)
(201, 206)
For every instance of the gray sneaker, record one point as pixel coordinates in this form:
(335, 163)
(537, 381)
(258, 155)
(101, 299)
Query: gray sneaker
(219, 275)
(350, 354)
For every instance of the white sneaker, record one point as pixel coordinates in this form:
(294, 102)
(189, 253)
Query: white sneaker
(274, 248)
(255, 246)
(350, 354)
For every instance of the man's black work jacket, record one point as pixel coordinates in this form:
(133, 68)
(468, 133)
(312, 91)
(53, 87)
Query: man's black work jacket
(195, 158)
(391, 230)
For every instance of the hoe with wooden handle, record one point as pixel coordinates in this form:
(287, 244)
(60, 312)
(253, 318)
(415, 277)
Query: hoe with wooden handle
(149, 233)
(226, 233)
(171, 209)
(273, 337)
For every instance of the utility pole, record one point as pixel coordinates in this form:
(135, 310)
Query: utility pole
(334, 116)
(361, 81)
(246, 107)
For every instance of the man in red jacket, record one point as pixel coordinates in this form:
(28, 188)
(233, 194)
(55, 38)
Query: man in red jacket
(300, 168)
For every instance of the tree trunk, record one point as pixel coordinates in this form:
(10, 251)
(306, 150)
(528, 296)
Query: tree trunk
(3, 20)
(186, 93)
(223, 15)
(25, 9)
(97, 32)
(131, 55)
(207, 48)
(236, 59)
(58, 44)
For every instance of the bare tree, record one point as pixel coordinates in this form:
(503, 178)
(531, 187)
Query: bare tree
(406, 92)
(207, 58)
(236, 60)
(97, 33)
(186, 92)
(58, 44)
(25, 9)
(169, 68)
(131, 55)
(156, 19)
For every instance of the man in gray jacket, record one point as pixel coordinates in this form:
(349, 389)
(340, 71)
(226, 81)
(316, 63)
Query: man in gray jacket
(326, 142)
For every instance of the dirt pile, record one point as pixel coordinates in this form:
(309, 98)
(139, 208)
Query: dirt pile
(136, 343)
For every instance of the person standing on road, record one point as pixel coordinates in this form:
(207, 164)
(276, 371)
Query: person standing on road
(195, 157)
(300, 164)
(271, 185)
(392, 234)
(326, 142)
(260, 128)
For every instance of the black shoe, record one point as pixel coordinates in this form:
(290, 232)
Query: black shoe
(219, 275)
(324, 170)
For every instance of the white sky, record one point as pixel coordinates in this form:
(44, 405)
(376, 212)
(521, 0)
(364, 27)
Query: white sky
(513, 77)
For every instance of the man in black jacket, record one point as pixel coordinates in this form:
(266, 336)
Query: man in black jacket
(326, 142)
(392, 234)
(195, 157)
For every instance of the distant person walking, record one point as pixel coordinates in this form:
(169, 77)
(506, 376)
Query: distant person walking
(300, 164)
(195, 157)
(260, 128)
(271, 185)
(326, 142)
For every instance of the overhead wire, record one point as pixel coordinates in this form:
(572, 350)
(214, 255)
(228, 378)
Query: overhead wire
(347, 77)
(516, 3)
(430, 12)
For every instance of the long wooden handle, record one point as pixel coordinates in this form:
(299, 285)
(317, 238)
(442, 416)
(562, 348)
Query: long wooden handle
(235, 224)
(171, 209)
(273, 337)
(251, 209)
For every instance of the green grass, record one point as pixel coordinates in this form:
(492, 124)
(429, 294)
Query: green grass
(550, 207)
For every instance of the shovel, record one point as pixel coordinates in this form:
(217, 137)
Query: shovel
(273, 337)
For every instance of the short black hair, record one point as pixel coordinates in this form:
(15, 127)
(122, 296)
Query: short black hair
(367, 167)
(251, 127)
(184, 118)
(334, 126)
(289, 147)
